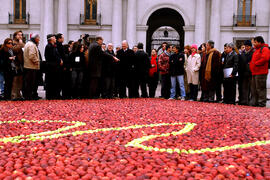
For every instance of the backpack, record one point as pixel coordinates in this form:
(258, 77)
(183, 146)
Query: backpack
(269, 57)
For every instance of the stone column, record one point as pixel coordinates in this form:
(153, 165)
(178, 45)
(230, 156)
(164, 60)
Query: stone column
(117, 23)
(215, 22)
(132, 23)
(47, 21)
(200, 26)
(63, 18)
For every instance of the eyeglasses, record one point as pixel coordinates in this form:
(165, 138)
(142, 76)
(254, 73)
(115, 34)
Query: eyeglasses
(9, 43)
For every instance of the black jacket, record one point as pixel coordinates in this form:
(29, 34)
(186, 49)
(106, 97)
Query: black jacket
(142, 62)
(177, 64)
(74, 57)
(52, 57)
(231, 61)
(96, 56)
(60, 49)
(127, 64)
(5, 62)
(108, 65)
(244, 60)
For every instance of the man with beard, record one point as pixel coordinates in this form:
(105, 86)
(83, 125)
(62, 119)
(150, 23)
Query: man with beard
(210, 71)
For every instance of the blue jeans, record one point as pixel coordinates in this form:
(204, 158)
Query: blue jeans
(180, 80)
(2, 79)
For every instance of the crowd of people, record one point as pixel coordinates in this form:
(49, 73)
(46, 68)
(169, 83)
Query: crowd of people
(81, 69)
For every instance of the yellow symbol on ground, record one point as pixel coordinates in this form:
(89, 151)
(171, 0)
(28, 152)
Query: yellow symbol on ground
(39, 136)
(137, 143)
(189, 126)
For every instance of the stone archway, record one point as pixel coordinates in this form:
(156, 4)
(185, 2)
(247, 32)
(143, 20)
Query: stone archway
(165, 17)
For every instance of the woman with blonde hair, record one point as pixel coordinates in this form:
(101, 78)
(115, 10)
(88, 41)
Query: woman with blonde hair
(192, 68)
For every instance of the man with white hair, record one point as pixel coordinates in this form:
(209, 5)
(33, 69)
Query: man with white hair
(127, 72)
(31, 66)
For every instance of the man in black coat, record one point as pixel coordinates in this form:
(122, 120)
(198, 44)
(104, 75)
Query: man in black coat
(96, 57)
(127, 72)
(143, 66)
(230, 78)
(245, 75)
(65, 76)
(54, 64)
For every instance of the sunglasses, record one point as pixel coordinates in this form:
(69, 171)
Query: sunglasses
(9, 43)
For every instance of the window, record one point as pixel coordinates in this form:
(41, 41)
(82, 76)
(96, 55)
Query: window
(19, 11)
(90, 11)
(244, 13)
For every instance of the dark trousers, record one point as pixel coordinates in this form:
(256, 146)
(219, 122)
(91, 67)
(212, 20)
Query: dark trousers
(218, 91)
(52, 85)
(94, 87)
(152, 84)
(193, 91)
(244, 84)
(142, 84)
(133, 87)
(76, 83)
(66, 87)
(30, 81)
(123, 84)
(39, 82)
(208, 96)
(258, 90)
(8, 76)
(107, 87)
(229, 85)
(165, 86)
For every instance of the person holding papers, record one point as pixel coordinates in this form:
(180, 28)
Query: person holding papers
(230, 69)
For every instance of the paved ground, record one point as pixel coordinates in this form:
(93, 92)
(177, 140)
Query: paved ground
(42, 93)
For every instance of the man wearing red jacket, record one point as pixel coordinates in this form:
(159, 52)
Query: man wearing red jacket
(259, 70)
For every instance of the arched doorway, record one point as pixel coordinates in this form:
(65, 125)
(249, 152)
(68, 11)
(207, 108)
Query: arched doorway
(165, 17)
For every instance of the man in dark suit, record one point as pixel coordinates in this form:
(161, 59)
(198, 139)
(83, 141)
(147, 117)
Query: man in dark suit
(96, 57)
(127, 72)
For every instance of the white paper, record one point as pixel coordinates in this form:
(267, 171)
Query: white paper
(228, 72)
(77, 59)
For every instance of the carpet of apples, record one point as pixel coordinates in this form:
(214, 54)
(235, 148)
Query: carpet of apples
(104, 154)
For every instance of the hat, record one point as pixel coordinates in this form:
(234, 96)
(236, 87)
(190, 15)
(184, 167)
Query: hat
(248, 43)
(194, 46)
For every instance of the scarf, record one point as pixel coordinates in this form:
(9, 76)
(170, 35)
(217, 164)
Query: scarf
(208, 68)
(153, 70)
